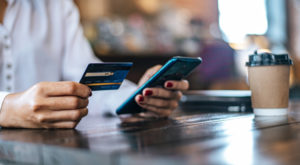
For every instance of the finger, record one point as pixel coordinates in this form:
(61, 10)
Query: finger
(62, 125)
(64, 103)
(66, 88)
(60, 116)
(161, 112)
(160, 103)
(162, 93)
(177, 85)
(148, 74)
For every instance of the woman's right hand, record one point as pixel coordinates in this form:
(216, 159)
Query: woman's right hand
(46, 105)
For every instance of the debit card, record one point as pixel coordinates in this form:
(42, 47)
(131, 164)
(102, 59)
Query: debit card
(105, 76)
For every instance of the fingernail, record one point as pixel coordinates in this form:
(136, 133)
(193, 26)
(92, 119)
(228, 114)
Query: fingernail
(141, 99)
(91, 93)
(148, 93)
(169, 85)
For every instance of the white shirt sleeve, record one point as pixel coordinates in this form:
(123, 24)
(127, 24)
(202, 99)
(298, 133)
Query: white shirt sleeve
(2, 96)
(77, 51)
(78, 54)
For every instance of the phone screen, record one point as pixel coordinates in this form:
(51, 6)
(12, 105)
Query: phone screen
(177, 71)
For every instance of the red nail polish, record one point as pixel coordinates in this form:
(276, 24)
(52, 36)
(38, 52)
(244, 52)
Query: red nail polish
(91, 92)
(169, 85)
(141, 99)
(148, 93)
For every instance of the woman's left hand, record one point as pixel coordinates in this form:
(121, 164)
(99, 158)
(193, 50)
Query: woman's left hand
(161, 102)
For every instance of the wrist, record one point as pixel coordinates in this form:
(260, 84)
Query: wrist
(7, 110)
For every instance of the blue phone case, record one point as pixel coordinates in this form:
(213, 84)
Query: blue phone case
(176, 68)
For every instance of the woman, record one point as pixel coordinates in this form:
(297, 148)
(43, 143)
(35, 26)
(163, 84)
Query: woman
(42, 54)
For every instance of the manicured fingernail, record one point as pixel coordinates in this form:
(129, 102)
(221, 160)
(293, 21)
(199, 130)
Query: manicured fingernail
(169, 85)
(91, 92)
(148, 93)
(141, 99)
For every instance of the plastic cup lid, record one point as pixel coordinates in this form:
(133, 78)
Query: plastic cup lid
(265, 59)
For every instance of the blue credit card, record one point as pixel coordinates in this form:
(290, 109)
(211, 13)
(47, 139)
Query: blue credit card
(105, 76)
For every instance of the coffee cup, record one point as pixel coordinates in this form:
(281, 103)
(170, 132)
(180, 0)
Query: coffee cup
(268, 76)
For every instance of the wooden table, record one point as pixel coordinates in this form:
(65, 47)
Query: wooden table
(185, 138)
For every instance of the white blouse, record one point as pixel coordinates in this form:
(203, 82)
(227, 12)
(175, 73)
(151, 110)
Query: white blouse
(42, 40)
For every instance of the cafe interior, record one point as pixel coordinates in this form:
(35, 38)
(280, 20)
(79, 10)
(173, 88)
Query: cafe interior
(223, 33)
(214, 123)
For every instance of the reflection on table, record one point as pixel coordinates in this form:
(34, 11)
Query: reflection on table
(191, 137)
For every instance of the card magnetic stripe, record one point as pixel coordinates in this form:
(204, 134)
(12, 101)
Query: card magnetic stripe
(103, 84)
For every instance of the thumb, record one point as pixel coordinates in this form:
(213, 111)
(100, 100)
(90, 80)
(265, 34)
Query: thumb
(148, 74)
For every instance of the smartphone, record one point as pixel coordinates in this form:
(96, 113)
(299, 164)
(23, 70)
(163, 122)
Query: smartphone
(176, 68)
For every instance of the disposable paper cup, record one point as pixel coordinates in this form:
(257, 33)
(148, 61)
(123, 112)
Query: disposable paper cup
(268, 76)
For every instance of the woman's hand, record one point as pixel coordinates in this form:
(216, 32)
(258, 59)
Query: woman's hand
(46, 105)
(160, 102)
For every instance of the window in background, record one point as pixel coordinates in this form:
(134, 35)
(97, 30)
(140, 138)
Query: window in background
(241, 18)
(277, 29)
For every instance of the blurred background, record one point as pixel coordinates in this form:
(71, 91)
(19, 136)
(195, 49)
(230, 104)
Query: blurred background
(222, 32)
